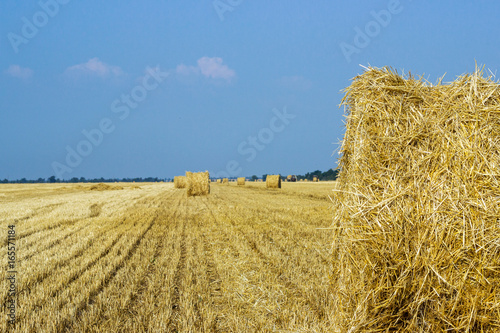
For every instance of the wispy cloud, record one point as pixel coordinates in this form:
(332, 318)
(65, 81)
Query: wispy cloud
(295, 82)
(187, 70)
(19, 72)
(209, 67)
(94, 67)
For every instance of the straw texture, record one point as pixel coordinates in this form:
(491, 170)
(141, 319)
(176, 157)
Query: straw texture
(417, 208)
(273, 181)
(180, 182)
(198, 183)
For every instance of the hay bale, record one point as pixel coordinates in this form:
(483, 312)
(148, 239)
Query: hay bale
(225, 181)
(273, 181)
(219, 181)
(417, 206)
(104, 187)
(241, 181)
(197, 183)
(180, 182)
(315, 179)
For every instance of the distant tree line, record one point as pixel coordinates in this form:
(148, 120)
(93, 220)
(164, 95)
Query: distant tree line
(53, 179)
(327, 175)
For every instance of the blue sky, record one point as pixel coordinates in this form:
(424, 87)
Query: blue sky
(236, 87)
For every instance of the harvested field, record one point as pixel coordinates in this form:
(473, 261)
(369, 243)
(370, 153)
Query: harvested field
(243, 259)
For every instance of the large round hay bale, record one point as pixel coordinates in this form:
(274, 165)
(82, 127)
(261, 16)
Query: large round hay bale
(241, 181)
(273, 181)
(315, 179)
(219, 181)
(225, 181)
(417, 202)
(180, 182)
(197, 183)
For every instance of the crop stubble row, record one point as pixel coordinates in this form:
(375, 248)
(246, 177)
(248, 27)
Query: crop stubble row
(168, 263)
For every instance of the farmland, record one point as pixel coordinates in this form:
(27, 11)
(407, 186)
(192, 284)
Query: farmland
(149, 258)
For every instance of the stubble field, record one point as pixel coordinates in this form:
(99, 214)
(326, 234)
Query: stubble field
(147, 258)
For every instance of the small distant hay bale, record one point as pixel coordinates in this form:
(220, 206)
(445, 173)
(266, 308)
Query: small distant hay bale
(180, 182)
(241, 181)
(95, 210)
(417, 206)
(105, 187)
(198, 183)
(273, 181)
(306, 180)
(315, 179)
(219, 181)
(225, 181)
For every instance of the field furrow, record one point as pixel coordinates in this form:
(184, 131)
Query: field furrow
(243, 259)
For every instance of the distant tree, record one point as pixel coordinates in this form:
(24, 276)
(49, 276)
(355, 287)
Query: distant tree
(52, 179)
(254, 178)
(73, 180)
(23, 181)
(40, 180)
(82, 179)
(264, 176)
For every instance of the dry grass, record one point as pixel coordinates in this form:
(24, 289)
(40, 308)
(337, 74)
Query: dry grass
(273, 181)
(416, 245)
(241, 260)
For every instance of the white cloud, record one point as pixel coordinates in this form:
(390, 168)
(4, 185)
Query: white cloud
(213, 67)
(208, 67)
(295, 82)
(19, 72)
(94, 67)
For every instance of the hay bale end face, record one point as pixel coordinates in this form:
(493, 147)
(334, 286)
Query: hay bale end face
(417, 206)
(225, 181)
(180, 182)
(198, 183)
(241, 181)
(273, 181)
